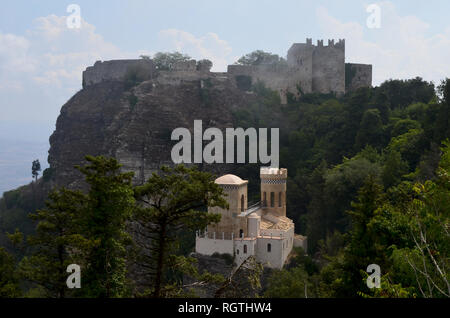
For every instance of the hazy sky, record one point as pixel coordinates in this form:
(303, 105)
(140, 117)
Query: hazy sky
(41, 59)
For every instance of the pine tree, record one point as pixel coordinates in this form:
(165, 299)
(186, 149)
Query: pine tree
(56, 243)
(35, 168)
(109, 206)
(9, 282)
(361, 250)
(170, 202)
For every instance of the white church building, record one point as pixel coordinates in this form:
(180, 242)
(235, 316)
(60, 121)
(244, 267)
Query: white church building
(261, 230)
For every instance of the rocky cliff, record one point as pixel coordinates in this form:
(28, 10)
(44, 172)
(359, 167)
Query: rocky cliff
(134, 124)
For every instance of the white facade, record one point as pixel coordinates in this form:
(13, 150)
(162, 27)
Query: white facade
(208, 246)
(262, 231)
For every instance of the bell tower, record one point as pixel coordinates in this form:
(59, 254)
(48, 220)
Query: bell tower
(273, 190)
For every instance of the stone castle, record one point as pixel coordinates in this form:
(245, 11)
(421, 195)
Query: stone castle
(261, 230)
(308, 69)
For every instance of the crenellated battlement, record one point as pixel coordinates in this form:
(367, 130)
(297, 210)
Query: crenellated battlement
(273, 173)
(340, 43)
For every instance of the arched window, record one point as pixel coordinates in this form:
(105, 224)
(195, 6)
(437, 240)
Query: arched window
(264, 199)
(241, 233)
(279, 199)
(242, 203)
(245, 249)
(269, 247)
(237, 252)
(272, 199)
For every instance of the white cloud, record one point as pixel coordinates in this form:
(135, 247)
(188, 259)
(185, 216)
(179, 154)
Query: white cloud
(42, 69)
(401, 48)
(209, 46)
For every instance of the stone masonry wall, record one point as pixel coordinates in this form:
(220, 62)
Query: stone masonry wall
(115, 70)
(329, 68)
(358, 75)
(300, 60)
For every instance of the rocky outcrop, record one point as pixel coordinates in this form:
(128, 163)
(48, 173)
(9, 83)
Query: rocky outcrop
(134, 124)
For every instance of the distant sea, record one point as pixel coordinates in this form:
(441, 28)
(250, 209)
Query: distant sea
(16, 158)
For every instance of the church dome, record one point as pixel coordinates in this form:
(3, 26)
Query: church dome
(229, 179)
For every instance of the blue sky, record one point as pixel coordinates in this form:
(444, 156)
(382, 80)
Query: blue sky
(41, 60)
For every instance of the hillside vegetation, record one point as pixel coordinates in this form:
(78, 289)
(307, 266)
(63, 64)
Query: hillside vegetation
(368, 183)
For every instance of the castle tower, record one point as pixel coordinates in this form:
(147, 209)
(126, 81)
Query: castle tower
(273, 190)
(328, 65)
(236, 195)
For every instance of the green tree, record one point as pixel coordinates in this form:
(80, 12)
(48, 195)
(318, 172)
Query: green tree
(56, 243)
(259, 57)
(204, 64)
(35, 168)
(430, 218)
(166, 60)
(394, 168)
(170, 202)
(9, 280)
(362, 250)
(371, 130)
(293, 283)
(410, 145)
(318, 207)
(403, 126)
(332, 193)
(442, 123)
(103, 221)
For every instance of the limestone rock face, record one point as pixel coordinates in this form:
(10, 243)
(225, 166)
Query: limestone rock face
(135, 124)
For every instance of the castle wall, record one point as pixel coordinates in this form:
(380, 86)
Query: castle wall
(281, 242)
(187, 66)
(357, 75)
(272, 75)
(239, 250)
(275, 258)
(208, 246)
(312, 68)
(281, 77)
(301, 241)
(116, 70)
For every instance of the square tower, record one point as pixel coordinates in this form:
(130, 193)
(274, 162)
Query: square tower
(273, 190)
